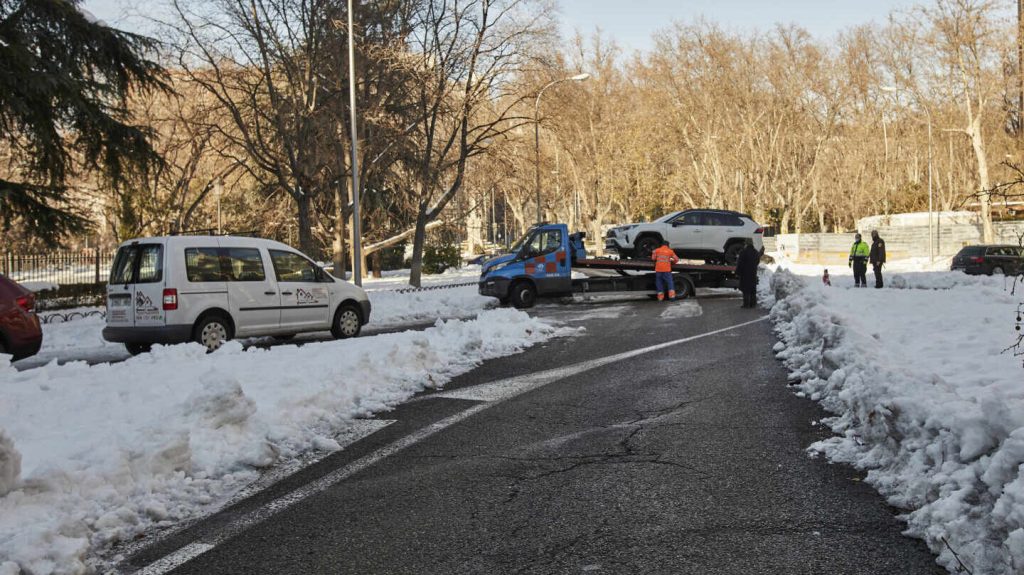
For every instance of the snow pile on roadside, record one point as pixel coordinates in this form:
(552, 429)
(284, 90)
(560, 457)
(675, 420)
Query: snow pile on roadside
(925, 402)
(390, 307)
(109, 451)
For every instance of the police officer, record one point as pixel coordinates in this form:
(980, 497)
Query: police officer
(663, 258)
(859, 261)
(877, 257)
(746, 269)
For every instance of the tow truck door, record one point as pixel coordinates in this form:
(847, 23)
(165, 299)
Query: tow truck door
(547, 261)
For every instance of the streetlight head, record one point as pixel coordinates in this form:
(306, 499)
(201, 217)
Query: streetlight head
(580, 77)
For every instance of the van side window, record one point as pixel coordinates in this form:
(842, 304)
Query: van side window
(151, 264)
(291, 267)
(244, 265)
(203, 265)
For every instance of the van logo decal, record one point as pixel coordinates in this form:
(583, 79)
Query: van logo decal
(144, 308)
(310, 296)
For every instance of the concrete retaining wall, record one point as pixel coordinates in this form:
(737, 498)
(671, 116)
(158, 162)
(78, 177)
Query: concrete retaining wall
(901, 242)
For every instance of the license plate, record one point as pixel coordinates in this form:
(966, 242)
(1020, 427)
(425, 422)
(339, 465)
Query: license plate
(120, 301)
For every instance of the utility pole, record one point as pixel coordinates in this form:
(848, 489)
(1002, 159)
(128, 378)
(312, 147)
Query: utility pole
(357, 228)
(1020, 73)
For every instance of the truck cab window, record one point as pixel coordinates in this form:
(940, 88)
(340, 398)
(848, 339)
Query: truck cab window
(543, 242)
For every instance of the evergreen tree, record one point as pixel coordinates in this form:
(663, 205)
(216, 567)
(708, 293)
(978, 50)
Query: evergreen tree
(64, 84)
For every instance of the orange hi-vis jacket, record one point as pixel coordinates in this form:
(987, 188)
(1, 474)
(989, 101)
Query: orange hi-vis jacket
(663, 258)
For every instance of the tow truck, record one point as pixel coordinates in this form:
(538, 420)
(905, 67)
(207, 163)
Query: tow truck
(542, 262)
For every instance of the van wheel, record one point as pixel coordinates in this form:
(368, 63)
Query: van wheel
(212, 331)
(523, 295)
(137, 348)
(347, 322)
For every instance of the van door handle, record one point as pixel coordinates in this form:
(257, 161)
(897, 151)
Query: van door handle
(286, 293)
(269, 292)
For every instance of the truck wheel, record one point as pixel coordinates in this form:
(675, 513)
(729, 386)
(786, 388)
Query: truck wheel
(137, 348)
(523, 295)
(732, 253)
(347, 322)
(645, 247)
(684, 289)
(212, 331)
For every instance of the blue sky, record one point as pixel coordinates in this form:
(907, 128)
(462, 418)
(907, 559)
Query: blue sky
(632, 22)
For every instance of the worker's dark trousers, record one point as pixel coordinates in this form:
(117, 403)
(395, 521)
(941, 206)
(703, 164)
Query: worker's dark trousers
(878, 274)
(860, 272)
(750, 298)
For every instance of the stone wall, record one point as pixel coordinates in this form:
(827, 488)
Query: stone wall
(901, 241)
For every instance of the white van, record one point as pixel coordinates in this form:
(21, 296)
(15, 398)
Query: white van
(210, 289)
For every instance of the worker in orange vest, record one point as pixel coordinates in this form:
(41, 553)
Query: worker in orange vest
(663, 258)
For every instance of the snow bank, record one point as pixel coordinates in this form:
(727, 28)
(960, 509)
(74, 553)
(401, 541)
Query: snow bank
(925, 402)
(390, 307)
(109, 451)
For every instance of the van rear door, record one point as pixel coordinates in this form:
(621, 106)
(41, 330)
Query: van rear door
(149, 286)
(120, 311)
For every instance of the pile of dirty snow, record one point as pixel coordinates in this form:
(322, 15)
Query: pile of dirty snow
(925, 401)
(91, 455)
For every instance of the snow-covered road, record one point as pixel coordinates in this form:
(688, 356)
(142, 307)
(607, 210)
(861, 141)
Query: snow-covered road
(95, 454)
(925, 399)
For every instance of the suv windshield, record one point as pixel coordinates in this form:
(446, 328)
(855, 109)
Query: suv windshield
(972, 251)
(667, 217)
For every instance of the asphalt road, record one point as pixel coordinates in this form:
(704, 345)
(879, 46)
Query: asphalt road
(685, 459)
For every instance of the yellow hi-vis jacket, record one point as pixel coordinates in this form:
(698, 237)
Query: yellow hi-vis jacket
(860, 250)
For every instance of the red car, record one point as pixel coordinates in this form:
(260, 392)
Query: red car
(20, 333)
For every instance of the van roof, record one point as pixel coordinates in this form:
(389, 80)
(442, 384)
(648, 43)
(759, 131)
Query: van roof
(193, 239)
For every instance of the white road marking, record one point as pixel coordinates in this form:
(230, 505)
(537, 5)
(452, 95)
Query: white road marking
(503, 389)
(175, 559)
(490, 394)
(685, 308)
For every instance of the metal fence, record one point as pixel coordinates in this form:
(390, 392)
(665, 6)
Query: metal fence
(85, 267)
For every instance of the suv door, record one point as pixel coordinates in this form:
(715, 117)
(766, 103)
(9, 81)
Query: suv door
(252, 293)
(305, 299)
(686, 231)
(718, 228)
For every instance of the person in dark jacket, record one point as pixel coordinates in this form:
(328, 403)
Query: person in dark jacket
(859, 262)
(877, 257)
(746, 269)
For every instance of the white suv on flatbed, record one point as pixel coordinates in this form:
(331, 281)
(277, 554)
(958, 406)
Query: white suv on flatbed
(712, 235)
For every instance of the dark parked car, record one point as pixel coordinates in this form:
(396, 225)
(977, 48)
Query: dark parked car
(20, 334)
(989, 260)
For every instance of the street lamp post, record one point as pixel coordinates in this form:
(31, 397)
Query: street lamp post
(928, 115)
(536, 131)
(357, 232)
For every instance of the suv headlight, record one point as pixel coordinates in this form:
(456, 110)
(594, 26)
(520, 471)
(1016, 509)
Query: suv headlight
(626, 228)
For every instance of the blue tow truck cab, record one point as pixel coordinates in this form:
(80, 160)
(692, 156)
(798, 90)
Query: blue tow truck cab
(541, 263)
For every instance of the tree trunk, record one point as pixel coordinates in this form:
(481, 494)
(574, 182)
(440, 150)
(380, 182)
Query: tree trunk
(305, 229)
(340, 201)
(378, 263)
(419, 239)
(984, 191)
